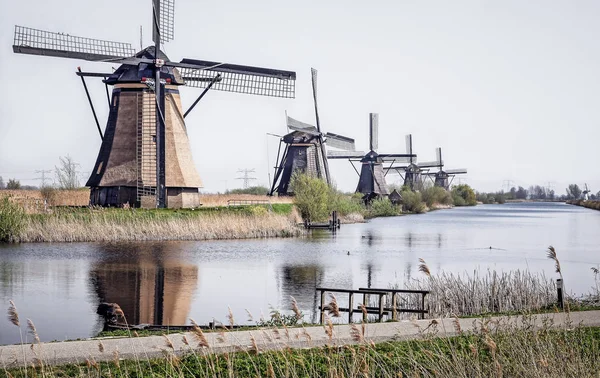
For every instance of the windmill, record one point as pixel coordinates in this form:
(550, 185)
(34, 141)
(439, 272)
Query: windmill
(305, 150)
(145, 157)
(412, 173)
(443, 178)
(371, 182)
(585, 193)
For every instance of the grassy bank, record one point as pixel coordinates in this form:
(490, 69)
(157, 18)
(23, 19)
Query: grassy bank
(492, 350)
(595, 205)
(102, 224)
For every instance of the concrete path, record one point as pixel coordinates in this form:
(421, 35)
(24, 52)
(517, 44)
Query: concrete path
(58, 353)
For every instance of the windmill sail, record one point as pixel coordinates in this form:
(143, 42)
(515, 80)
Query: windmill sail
(339, 141)
(40, 42)
(373, 131)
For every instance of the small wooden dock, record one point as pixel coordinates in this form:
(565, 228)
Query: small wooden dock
(390, 309)
(333, 224)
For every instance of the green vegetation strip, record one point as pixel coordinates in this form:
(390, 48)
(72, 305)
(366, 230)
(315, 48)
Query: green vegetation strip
(492, 351)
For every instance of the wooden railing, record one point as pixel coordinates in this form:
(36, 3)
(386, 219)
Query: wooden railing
(380, 310)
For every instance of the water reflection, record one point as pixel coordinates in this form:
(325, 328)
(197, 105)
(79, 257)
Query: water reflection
(300, 281)
(149, 284)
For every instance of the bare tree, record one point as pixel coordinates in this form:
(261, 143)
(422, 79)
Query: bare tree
(66, 173)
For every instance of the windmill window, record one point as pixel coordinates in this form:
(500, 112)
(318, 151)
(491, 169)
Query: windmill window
(99, 167)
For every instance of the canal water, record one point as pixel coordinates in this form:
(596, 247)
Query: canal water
(59, 286)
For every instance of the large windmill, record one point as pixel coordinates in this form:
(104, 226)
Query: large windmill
(444, 177)
(145, 157)
(371, 182)
(305, 150)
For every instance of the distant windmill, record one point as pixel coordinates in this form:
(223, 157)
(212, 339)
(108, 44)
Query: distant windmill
(305, 150)
(443, 178)
(371, 182)
(145, 155)
(585, 193)
(412, 173)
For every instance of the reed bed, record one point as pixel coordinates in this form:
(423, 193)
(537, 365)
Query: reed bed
(32, 201)
(594, 205)
(484, 293)
(121, 225)
(491, 348)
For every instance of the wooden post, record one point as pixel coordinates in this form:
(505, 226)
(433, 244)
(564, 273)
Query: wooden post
(381, 307)
(350, 307)
(422, 315)
(394, 304)
(322, 307)
(559, 291)
(365, 304)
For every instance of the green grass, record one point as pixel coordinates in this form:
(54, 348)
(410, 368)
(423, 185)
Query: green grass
(492, 351)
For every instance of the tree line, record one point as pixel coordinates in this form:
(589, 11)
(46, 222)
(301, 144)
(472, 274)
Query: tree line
(66, 177)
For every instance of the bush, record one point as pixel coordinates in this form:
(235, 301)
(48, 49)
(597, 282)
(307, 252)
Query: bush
(345, 204)
(48, 194)
(311, 196)
(383, 207)
(13, 184)
(466, 193)
(11, 220)
(413, 202)
(436, 195)
(255, 190)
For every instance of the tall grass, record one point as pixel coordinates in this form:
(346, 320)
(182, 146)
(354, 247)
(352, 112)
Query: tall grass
(11, 220)
(488, 292)
(489, 347)
(130, 225)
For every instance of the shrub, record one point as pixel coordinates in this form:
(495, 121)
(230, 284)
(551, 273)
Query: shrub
(11, 220)
(383, 207)
(256, 190)
(466, 193)
(311, 197)
(345, 204)
(436, 195)
(13, 184)
(413, 202)
(48, 194)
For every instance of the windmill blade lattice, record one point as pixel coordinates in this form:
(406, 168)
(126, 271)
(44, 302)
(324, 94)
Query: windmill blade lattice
(237, 78)
(40, 42)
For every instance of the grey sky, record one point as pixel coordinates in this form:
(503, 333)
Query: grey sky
(508, 89)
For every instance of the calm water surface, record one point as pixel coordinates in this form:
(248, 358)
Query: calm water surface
(59, 286)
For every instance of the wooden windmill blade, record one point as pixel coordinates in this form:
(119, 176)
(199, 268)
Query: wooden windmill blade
(438, 155)
(409, 149)
(313, 74)
(237, 78)
(457, 171)
(339, 141)
(294, 124)
(40, 42)
(373, 131)
(345, 154)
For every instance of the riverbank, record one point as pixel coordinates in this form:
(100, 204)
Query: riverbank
(594, 205)
(493, 346)
(108, 225)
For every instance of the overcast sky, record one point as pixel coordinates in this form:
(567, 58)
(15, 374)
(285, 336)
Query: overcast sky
(508, 89)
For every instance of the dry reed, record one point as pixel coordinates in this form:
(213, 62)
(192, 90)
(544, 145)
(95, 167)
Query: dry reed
(100, 227)
(491, 292)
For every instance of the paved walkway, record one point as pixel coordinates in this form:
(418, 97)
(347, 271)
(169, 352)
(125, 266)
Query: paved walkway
(57, 353)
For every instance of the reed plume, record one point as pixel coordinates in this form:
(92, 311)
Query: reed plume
(33, 331)
(203, 342)
(230, 317)
(551, 254)
(332, 307)
(424, 268)
(13, 314)
(295, 308)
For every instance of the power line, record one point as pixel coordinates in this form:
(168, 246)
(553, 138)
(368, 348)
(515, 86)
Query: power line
(43, 177)
(246, 176)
